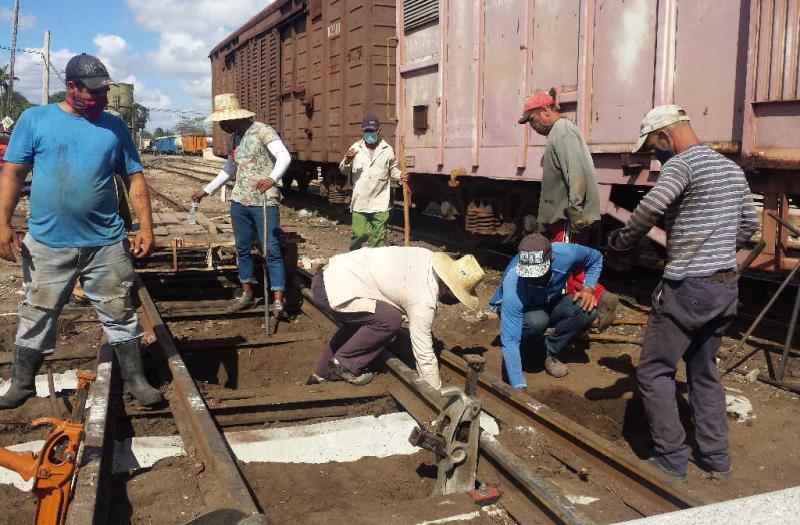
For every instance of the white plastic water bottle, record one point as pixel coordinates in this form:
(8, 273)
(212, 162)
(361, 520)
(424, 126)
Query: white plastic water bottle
(192, 217)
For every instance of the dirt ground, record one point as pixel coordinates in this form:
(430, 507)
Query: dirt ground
(598, 393)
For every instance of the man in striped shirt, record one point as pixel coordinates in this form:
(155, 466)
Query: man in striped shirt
(708, 215)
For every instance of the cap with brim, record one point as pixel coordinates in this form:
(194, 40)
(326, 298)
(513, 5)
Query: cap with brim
(461, 277)
(89, 71)
(532, 264)
(227, 107)
(370, 124)
(94, 83)
(535, 101)
(657, 118)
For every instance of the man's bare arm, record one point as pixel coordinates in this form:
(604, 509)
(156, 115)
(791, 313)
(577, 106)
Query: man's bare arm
(139, 199)
(11, 179)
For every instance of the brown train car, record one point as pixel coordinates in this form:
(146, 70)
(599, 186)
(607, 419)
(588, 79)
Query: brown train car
(312, 69)
(193, 144)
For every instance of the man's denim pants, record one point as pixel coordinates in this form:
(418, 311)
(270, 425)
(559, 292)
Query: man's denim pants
(248, 225)
(567, 319)
(106, 274)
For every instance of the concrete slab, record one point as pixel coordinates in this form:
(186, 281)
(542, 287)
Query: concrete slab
(341, 440)
(66, 381)
(140, 453)
(772, 508)
(8, 477)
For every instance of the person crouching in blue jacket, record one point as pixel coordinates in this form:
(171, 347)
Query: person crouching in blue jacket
(531, 298)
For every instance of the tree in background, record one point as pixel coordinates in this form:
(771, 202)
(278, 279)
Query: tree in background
(58, 96)
(192, 126)
(161, 132)
(141, 115)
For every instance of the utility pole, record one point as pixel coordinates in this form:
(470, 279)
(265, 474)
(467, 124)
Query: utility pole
(46, 70)
(10, 89)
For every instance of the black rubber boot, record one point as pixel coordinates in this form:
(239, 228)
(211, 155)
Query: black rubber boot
(131, 368)
(23, 374)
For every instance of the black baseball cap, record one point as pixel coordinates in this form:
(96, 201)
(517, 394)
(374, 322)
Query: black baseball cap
(88, 70)
(370, 124)
(535, 254)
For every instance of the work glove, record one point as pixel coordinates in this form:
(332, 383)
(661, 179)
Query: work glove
(577, 222)
(613, 241)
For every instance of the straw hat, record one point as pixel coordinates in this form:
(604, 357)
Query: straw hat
(227, 107)
(461, 276)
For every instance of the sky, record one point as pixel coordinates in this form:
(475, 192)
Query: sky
(160, 46)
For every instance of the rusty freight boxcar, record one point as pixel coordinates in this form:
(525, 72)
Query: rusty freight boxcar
(466, 67)
(311, 69)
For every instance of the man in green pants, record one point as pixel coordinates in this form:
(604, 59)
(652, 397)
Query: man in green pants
(371, 165)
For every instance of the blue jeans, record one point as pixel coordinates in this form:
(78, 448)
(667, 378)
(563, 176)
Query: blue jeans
(106, 274)
(567, 319)
(248, 225)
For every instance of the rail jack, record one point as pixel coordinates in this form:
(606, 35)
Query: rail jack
(454, 436)
(53, 467)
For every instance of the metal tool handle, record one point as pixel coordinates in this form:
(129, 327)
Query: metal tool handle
(265, 252)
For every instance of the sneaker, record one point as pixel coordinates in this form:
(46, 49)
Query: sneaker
(659, 463)
(279, 310)
(555, 367)
(606, 310)
(720, 475)
(338, 370)
(316, 379)
(240, 303)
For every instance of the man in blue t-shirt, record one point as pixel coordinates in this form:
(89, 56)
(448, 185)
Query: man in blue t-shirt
(531, 298)
(75, 232)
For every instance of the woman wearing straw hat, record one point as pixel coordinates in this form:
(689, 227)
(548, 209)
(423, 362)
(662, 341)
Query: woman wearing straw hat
(369, 290)
(258, 159)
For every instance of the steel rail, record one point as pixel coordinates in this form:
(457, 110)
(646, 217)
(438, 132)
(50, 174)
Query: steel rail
(193, 411)
(540, 491)
(651, 485)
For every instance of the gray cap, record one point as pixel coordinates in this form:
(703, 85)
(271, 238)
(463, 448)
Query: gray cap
(88, 70)
(657, 118)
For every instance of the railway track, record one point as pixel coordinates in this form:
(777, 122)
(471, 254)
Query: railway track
(203, 417)
(206, 415)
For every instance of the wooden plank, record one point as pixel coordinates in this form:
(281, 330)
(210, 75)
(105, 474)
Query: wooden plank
(92, 482)
(292, 395)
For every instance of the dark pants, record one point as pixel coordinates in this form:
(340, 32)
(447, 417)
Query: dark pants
(687, 321)
(362, 336)
(566, 317)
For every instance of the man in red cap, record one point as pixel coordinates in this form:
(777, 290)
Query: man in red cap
(569, 203)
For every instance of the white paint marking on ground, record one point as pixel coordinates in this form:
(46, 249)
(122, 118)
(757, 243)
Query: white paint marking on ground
(66, 381)
(460, 517)
(9, 477)
(141, 453)
(342, 440)
(580, 500)
(771, 508)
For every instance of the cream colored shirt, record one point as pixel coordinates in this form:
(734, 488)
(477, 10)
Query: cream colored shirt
(402, 277)
(371, 177)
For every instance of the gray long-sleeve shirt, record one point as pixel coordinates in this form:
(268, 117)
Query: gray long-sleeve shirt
(568, 179)
(708, 212)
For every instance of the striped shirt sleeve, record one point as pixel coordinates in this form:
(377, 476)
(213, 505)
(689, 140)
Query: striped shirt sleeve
(748, 223)
(672, 181)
